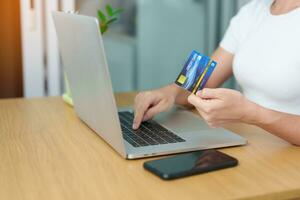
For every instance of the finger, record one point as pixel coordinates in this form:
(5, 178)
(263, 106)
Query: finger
(153, 111)
(199, 103)
(139, 112)
(208, 93)
(201, 112)
(194, 100)
(208, 121)
(214, 123)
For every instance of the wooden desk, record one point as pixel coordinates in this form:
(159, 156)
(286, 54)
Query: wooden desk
(46, 152)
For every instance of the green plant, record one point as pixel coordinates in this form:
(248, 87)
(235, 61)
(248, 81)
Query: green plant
(108, 18)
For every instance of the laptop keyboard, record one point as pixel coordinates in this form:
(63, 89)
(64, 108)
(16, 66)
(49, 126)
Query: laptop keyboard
(149, 133)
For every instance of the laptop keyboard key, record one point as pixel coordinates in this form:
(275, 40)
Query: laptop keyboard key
(149, 133)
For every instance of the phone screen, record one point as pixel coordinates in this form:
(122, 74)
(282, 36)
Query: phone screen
(190, 163)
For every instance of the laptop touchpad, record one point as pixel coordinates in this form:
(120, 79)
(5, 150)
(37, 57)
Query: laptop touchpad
(181, 121)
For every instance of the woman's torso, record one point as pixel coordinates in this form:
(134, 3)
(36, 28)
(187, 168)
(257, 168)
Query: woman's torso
(267, 63)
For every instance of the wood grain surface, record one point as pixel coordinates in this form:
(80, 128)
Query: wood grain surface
(47, 153)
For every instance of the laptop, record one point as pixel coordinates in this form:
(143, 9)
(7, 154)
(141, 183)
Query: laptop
(84, 61)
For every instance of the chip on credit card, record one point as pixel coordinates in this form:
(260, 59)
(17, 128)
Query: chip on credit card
(196, 72)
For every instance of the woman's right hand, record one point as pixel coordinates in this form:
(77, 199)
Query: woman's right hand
(149, 103)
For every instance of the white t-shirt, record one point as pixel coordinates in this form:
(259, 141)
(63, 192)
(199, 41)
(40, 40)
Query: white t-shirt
(266, 52)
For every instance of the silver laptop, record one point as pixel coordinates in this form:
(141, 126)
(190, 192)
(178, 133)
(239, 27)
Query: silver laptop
(85, 64)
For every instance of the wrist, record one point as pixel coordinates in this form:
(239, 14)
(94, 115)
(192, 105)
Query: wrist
(258, 115)
(173, 89)
(179, 95)
(252, 113)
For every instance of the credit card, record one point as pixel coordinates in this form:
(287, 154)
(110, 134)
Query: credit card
(207, 75)
(196, 72)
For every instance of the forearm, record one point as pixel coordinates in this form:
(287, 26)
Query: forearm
(283, 125)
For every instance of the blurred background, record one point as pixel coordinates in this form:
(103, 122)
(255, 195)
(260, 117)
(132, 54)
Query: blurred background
(146, 47)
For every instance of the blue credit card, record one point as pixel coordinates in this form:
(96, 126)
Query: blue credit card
(207, 75)
(196, 72)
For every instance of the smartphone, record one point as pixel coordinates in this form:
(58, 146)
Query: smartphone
(190, 164)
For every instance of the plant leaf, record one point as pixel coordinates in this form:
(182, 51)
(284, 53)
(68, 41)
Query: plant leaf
(118, 11)
(109, 10)
(103, 28)
(102, 17)
(111, 21)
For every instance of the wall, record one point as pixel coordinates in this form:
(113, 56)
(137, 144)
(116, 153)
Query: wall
(10, 50)
(242, 2)
(88, 7)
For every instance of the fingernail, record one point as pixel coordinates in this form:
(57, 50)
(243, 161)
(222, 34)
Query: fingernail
(198, 93)
(134, 126)
(144, 118)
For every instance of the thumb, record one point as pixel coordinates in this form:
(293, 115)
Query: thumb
(208, 93)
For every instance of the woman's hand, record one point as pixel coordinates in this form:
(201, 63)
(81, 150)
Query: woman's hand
(149, 103)
(221, 106)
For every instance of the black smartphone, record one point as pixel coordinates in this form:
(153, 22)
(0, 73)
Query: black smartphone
(189, 164)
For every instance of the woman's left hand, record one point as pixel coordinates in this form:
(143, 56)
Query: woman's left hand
(221, 106)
